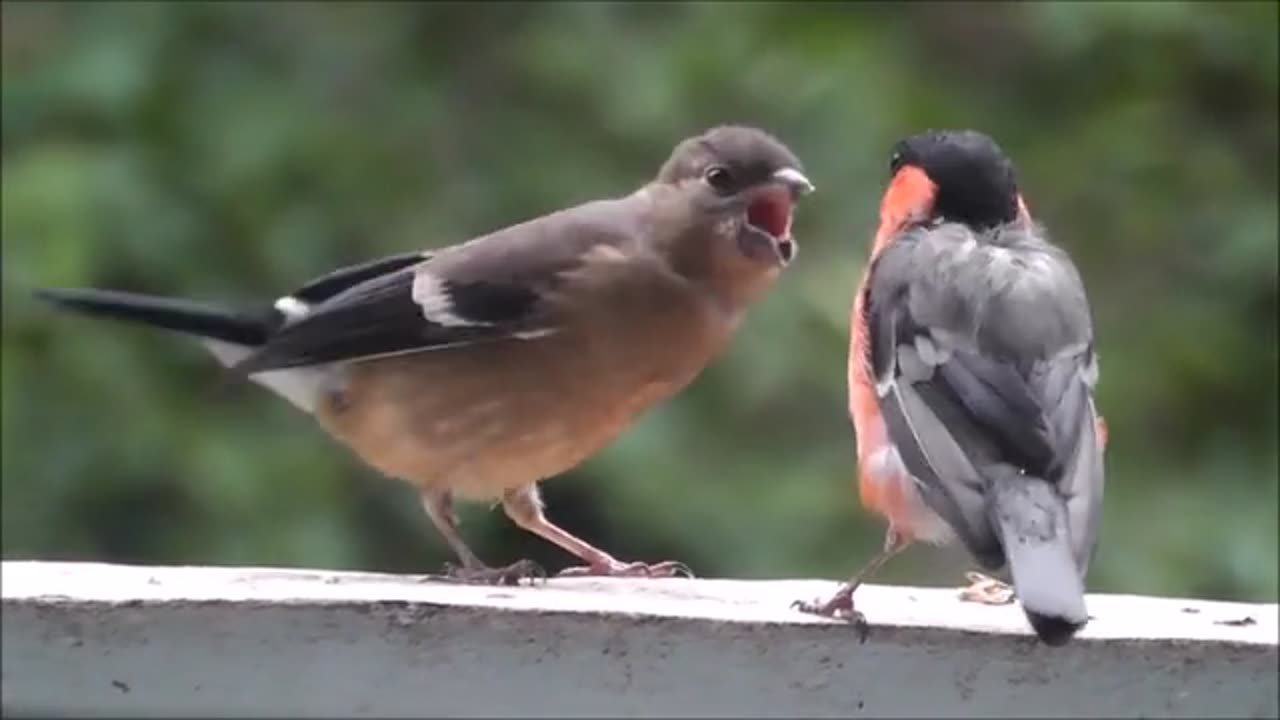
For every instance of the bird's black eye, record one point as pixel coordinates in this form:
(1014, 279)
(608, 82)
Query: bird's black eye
(719, 178)
(895, 162)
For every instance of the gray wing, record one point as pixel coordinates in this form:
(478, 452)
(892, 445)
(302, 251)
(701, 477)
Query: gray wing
(498, 286)
(982, 350)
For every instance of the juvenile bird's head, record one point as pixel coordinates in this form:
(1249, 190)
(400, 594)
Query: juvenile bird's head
(949, 175)
(735, 190)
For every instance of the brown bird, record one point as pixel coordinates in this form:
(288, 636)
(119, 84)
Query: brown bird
(477, 370)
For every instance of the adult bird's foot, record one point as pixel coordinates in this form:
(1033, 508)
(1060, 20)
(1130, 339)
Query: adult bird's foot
(669, 568)
(986, 590)
(510, 575)
(839, 607)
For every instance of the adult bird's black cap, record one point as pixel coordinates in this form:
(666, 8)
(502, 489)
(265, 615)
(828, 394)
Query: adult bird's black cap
(976, 182)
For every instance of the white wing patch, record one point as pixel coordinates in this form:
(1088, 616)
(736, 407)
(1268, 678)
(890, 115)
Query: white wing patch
(292, 307)
(930, 352)
(437, 306)
(535, 334)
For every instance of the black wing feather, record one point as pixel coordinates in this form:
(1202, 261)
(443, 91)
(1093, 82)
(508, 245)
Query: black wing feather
(490, 302)
(333, 283)
(375, 317)
(507, 284)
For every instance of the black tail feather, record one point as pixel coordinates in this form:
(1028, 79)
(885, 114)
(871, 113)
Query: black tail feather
(1052, 630)
(171, 314)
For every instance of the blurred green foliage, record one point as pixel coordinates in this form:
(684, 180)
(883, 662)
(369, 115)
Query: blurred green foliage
(230, 151)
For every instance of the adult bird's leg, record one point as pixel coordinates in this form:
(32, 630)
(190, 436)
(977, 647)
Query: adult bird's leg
(841, 604)
(524, 507)
(439, 507)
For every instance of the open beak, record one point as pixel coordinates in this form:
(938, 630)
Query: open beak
(769, 211)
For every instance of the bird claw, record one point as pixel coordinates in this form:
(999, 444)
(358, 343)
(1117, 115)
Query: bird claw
(839, 607)
(666, 569)
(986, 590)
(509, 575)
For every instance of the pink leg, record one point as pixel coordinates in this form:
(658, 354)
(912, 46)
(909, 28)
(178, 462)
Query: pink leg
(524, 507)
(439, 507)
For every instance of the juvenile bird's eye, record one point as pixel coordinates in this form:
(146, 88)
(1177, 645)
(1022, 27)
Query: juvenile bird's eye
(718, 178)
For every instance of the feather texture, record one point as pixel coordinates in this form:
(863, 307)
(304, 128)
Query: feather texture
(501, 286)
(981, 349)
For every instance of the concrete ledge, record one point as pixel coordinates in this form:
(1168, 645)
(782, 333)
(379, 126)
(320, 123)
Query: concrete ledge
(93, 639)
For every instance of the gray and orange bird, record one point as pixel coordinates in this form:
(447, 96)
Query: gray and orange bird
(971, 382)
(478, 370)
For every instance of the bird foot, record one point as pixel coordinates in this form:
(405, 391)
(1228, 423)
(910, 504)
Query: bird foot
(666, 569)
(838, 607)
(986, 590)
(510, 575)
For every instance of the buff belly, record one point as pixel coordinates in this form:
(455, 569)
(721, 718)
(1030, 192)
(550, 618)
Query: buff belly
(485, 420)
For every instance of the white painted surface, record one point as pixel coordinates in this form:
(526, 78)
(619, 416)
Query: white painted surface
(92, 639)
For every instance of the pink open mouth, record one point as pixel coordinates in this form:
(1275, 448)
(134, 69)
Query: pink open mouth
(770, 211)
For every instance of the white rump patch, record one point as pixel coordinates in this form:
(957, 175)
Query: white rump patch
(299, 386)
(885, 466)
(885, 463)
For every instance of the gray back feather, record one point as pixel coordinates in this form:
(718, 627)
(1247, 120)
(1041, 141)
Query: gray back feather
(982, 346)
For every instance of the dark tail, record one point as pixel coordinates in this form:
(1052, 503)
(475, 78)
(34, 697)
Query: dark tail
(1032, 518)
(171, 314)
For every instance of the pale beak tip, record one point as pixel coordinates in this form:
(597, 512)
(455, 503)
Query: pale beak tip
(795, 180)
